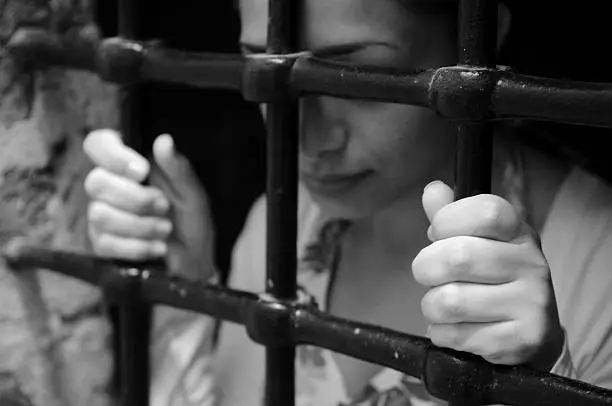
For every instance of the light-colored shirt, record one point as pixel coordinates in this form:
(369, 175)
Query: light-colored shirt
(576, 240)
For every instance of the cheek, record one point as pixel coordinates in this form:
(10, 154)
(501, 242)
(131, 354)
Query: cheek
(394, 138)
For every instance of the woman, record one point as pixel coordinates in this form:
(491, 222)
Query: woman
(481, 281)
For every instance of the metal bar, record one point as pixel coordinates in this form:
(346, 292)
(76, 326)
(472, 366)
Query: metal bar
(447, 373)
(203, 70)
(514, 95)
(477, 46)
(134, 315)
(556, 100)
(281, 192)
(474, 155)
(315, 76)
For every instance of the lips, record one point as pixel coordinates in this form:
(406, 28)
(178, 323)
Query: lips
(334, 183)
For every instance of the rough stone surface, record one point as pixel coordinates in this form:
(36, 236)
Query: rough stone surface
(54, 336)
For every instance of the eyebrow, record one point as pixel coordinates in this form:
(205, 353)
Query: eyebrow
(327, 51)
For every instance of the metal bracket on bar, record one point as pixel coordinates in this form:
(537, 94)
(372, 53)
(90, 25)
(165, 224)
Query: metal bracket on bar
(273, 322)
(120, 60)
(463, 92)
(266, 76)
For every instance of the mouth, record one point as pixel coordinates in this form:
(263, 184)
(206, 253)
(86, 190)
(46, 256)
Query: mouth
(335, 183)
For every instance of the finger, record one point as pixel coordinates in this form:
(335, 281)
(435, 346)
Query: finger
(132, 249)
(470, 259)
(486, 216)
(106, 149)
(173, 174)
(495, 342)
(125, 194)
(106, 219)
(435, 196)
(469, 303)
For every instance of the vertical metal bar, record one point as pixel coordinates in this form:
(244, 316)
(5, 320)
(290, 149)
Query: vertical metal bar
(477, 46)
(281, 190)
(134, 316)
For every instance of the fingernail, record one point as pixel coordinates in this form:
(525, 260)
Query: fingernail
(161, 205)
(137, 170)
(159, 248)
(435, 182)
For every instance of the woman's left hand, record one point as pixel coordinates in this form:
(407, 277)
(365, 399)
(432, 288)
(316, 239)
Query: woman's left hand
(490, 292)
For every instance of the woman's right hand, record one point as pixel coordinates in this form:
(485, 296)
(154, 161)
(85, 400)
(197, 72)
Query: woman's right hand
(169, 218)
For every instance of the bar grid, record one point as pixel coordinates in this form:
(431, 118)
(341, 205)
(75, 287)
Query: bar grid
(474, 94)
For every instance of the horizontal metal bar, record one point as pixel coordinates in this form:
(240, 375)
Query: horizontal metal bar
(517, 95)
(156, 287)
(445, 90)
(211, 71)
(447, 374)
(316, 76)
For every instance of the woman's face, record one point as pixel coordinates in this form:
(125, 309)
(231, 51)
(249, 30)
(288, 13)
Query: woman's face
(359, 157)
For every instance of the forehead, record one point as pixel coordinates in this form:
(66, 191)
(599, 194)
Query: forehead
(327, 22)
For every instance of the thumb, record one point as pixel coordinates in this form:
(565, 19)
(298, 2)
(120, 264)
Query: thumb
(172, 171)
(436, 195)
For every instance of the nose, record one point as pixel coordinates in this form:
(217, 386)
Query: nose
(323, 129)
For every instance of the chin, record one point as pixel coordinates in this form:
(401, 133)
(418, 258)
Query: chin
(346, 209)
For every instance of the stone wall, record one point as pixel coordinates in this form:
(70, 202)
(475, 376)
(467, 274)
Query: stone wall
(54, 336)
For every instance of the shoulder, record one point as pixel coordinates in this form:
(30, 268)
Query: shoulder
(580, 218)
(248, 259)
(577, 243)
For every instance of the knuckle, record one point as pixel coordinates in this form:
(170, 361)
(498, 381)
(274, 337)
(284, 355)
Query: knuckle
(492, 210)
(162, 228)
(151, 201)
(532, 337)
(540, 297)
(444, 304)
(447, 336)
(453, 338)
(459, 257)
(96, 215)
(519, 343)
(94, 182)
(103, 245)
(452, 303)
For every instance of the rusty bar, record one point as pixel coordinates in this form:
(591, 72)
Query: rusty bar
(552, 99)
(477, 46)
(446, 372)
(132, 351)
(281, 192)
(125, 61)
